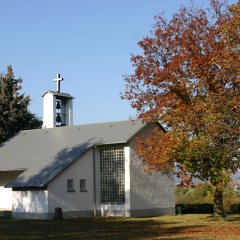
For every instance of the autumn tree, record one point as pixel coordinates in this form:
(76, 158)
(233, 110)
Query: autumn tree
(14, 113)
(187, 78)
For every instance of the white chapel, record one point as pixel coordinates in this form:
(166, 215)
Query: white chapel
(86, 170)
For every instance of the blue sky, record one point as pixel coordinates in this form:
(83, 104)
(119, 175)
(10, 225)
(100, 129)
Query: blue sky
(87, 41)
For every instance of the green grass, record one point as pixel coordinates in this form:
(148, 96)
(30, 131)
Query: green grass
(183, 227)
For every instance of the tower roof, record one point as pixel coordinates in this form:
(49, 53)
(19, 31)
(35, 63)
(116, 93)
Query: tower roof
(59, 94)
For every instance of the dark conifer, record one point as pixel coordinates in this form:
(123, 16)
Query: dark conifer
(14, 113)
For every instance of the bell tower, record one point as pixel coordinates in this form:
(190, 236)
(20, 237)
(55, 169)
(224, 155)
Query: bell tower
(57, 107)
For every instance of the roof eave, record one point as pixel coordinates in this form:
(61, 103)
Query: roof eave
(110, 143)
(144, 126)
(58, 94)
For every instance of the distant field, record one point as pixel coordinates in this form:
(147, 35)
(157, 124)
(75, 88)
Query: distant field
(183, 227)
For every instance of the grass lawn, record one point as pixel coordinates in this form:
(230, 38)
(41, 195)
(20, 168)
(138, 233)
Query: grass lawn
(202, 227)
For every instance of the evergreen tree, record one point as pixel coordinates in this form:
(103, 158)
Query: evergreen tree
(14, 113)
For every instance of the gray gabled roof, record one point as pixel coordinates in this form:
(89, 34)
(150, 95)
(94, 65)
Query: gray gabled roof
(44, 153)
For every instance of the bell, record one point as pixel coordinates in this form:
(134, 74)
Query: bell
(58, 118)
(58, 106)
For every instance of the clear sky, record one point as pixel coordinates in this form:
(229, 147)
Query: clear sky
(87, 41)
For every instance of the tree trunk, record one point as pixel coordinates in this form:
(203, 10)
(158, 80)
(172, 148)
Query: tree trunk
(218, 202)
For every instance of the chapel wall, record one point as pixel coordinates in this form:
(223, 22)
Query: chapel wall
(30, 204)
(49, 111)
(73, 203)
(150, 194)
(6, 193)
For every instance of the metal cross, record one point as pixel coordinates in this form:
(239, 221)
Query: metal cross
(58, 80)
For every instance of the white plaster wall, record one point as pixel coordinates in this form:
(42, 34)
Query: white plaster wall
(73, 201)
(49, 110)
(5, 198)
(149, 191)
(97, 178)
(127, 180)
(6, 193)
(30, 204)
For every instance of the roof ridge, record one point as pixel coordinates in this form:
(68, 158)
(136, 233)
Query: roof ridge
(107, 122)
(85, 124)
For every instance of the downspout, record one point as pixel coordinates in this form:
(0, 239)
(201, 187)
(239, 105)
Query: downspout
(94, 182)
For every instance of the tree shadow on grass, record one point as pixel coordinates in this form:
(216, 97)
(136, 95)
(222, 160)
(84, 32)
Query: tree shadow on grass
(232, 218)
(94, 228)
(228, 218)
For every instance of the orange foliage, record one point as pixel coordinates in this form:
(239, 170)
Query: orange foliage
(187, 78)
(156, 152)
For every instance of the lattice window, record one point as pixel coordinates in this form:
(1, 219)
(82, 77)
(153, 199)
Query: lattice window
(112, 174)
(83, 186)
(70, 185)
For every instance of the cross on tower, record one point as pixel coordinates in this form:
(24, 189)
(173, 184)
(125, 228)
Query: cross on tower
(58, 80)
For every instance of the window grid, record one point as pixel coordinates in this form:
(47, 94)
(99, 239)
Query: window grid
(112, 175)
(83, 187)
(70, 185)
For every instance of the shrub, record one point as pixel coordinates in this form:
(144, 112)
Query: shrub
(194, 208)
(199, 198)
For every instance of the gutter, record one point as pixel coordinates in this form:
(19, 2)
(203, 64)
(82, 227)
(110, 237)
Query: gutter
(94, 182)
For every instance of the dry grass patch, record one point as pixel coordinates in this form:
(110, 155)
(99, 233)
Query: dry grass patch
(183, 227)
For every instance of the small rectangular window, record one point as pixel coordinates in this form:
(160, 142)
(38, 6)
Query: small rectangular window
(70, 185)
(83, 187)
